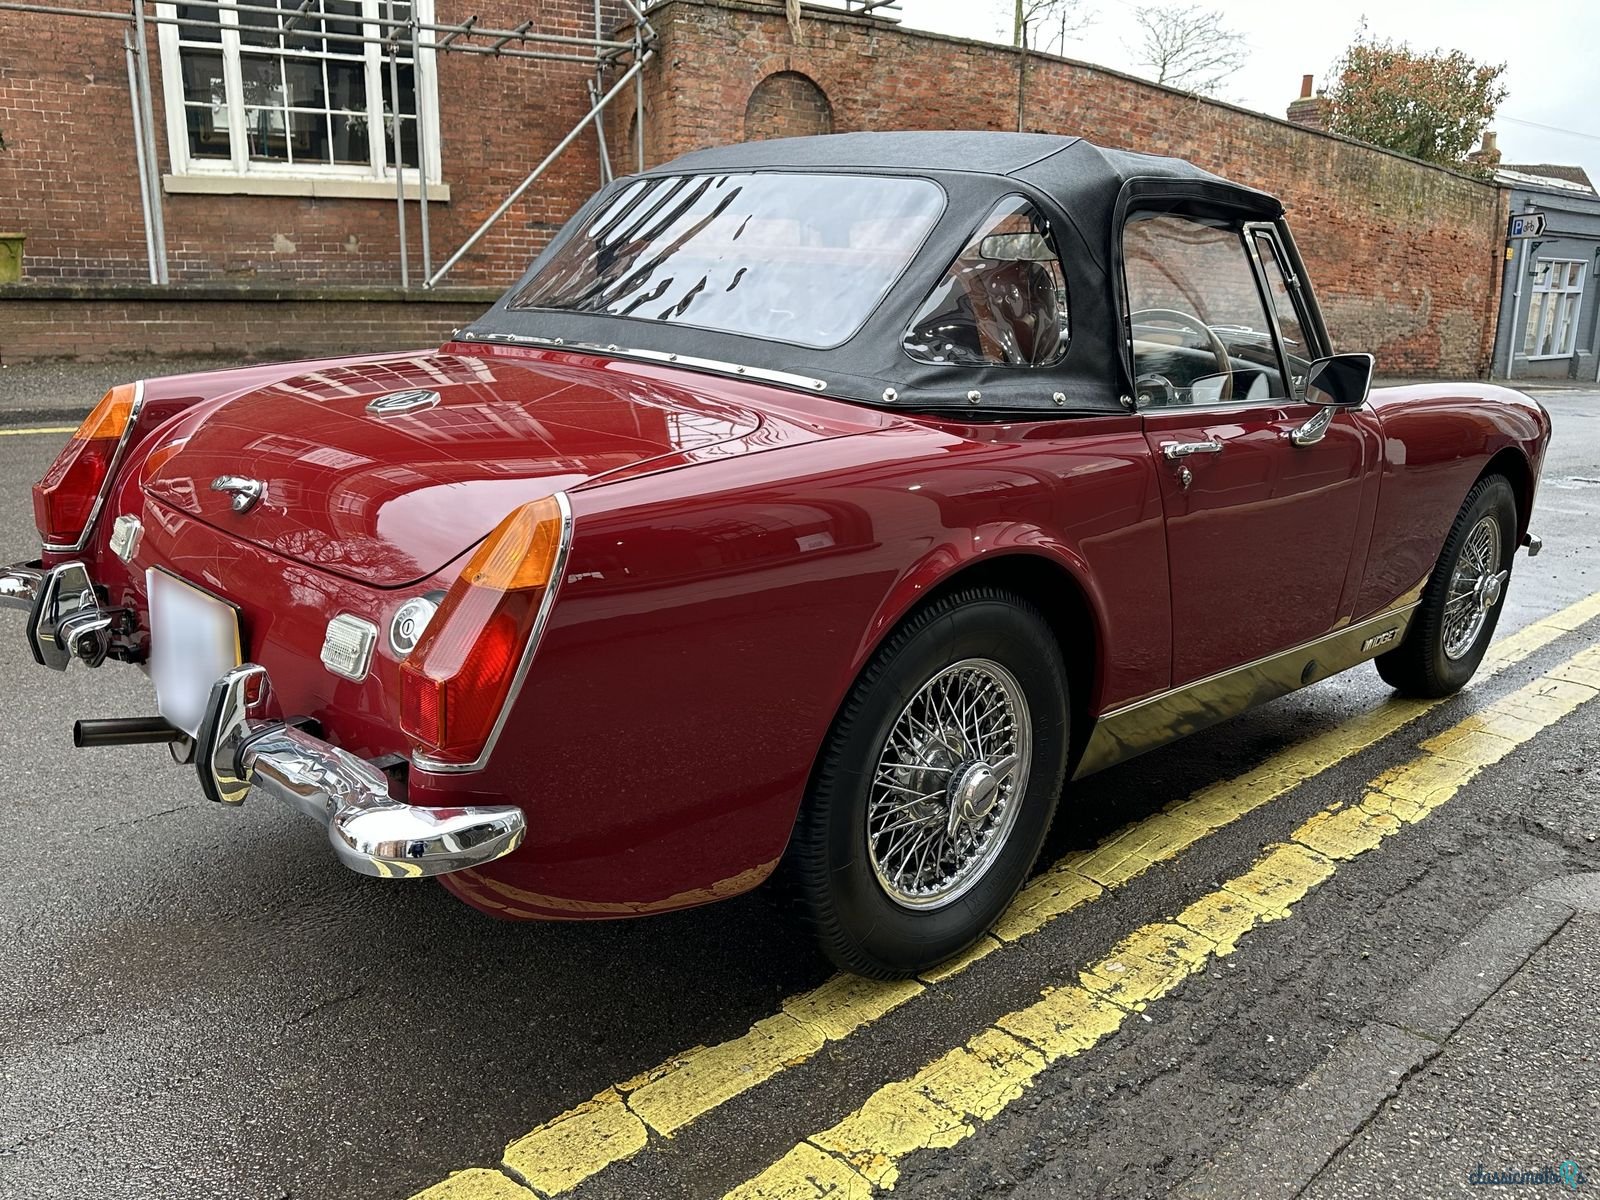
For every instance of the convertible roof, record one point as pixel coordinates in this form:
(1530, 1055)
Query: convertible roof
(1086, 192)
(1069, 168)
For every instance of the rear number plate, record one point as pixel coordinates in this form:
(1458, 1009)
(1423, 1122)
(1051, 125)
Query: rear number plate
(194, 641)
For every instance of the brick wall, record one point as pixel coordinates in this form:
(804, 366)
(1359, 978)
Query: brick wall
(94, 323)
(1405, 257)
(68, 177)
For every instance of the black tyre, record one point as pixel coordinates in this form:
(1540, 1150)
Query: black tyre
(936, 786)
(1462, 601)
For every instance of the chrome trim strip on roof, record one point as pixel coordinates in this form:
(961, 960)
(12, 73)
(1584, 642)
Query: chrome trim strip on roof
(716, 365)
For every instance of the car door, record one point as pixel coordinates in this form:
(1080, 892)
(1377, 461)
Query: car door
(1261, 531)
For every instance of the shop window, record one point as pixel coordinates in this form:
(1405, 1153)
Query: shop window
(1552, 330)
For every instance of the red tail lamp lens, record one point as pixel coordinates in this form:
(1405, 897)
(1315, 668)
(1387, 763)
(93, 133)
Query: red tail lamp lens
(64, 500)
(456, 681)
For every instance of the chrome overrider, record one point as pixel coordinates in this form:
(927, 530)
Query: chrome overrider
(371, 832)
(237, 753)
(65, 617)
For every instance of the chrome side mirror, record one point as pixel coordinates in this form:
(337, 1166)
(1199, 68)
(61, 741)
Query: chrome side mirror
(1338, 381)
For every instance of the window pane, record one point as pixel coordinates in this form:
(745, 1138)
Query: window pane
(202, 77)
(349, 143)
(304, 31)
(408, 88)
(206, 29)
(1295, 344)
(347, 86)
(1200, 328)
(208, 131)
(351, 28)
(1530, 338)
(1002, 302)
(262, 76)
(306, 89)
(260, 28)
(799, 258)
(308, 136)
(1574, 274)
(267, 133)
(1566, 328)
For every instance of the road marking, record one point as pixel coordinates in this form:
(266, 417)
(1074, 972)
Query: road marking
(31, 432)
(616, 1124)
(948, 1099)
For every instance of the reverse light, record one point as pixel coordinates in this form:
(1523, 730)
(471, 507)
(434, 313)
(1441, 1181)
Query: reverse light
(455, 684)
(68, 499)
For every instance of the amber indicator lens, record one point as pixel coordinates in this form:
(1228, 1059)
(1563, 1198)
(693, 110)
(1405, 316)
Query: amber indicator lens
(64, 500)
(454, 684)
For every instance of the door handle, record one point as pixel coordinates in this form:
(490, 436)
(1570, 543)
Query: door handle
(1174, 450)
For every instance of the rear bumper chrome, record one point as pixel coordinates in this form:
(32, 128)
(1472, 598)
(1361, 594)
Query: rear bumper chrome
(19, 585)
(372, 833)
(237, 754)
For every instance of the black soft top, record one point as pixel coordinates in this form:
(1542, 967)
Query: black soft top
(1085, 190)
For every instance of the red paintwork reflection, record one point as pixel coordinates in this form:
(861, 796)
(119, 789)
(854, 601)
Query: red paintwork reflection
(390, 499)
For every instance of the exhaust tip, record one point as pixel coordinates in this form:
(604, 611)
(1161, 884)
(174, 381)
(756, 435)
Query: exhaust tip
(125, 731)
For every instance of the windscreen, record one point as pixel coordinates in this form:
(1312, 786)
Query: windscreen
(796, 257)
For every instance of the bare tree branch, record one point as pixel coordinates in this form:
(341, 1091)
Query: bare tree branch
(1049, 23)
(1189, 47)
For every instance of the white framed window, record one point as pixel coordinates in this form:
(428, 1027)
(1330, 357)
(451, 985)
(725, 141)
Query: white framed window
(1553, 311)
(253, 95)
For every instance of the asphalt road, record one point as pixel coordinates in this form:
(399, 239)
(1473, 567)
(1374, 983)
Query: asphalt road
(202, 1003)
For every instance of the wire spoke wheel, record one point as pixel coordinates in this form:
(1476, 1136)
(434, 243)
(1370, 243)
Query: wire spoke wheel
(948, 783)
(1475, 588)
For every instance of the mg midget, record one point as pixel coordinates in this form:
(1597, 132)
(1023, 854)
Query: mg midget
(819, 508)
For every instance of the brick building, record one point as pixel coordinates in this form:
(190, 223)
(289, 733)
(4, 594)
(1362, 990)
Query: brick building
(281, 224)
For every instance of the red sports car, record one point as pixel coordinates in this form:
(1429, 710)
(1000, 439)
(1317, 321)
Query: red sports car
(820, 506)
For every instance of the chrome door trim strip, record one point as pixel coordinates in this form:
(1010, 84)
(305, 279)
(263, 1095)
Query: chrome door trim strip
(1128, 731)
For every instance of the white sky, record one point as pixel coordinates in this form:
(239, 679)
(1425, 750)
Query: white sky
(1551, 48)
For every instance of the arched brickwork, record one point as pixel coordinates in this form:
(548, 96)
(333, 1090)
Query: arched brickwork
(787, 104)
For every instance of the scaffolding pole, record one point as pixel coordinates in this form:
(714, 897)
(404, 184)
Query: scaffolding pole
(595, 111)
(138, 154)
(399, 162)
(157, 227)
(466, 37)
(422, 150)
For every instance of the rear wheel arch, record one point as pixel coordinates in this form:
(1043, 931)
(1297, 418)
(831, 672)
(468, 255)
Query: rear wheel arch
(1062, 598)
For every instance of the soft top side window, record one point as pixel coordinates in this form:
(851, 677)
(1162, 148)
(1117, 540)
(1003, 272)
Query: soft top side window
(1003, 302)
(1200, 326)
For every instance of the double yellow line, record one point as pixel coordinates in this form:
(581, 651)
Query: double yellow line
(32, 432)
(948, 1099)
(618, 1123)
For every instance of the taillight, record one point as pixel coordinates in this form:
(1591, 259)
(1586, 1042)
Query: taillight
(67, 499)
(456, 682)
